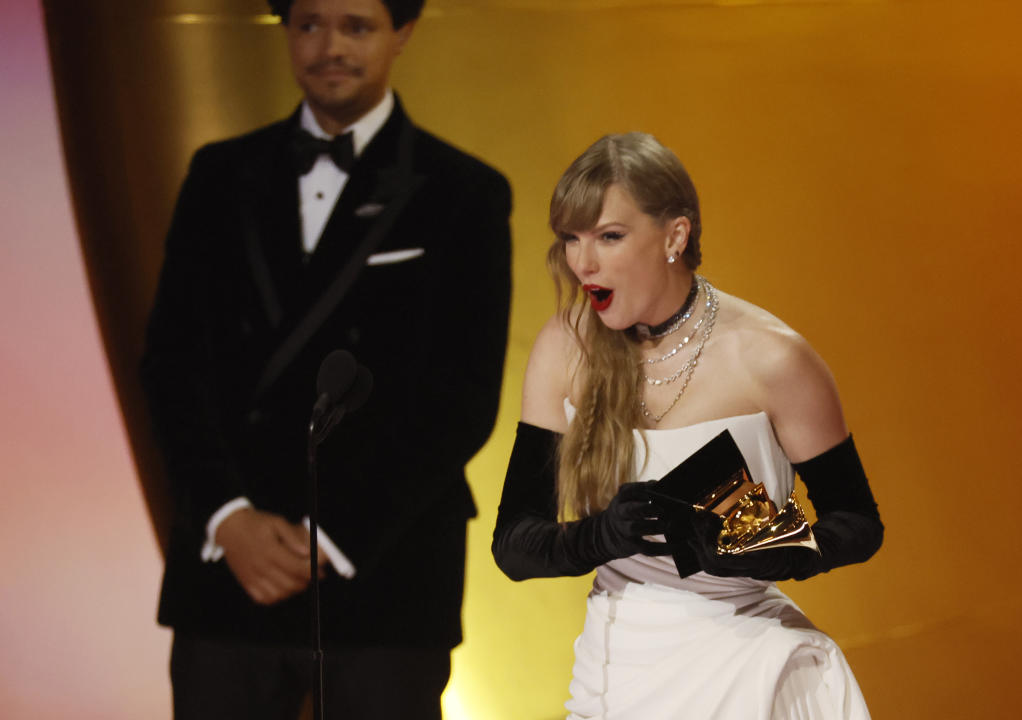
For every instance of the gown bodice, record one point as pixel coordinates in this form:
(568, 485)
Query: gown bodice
(657, 453)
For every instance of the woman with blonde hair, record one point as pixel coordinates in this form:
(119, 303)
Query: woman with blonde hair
(644, 364)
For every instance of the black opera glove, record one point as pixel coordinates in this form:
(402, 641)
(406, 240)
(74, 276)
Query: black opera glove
(848, 529)
(529, 542)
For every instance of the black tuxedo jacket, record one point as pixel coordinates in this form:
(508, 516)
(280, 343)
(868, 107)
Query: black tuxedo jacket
(242, 320)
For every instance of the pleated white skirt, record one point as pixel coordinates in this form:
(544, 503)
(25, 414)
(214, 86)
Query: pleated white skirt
(731, 649)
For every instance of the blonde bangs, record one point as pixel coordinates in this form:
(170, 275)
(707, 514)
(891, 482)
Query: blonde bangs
(577, 203)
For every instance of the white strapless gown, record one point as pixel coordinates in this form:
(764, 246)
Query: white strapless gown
(659, 647)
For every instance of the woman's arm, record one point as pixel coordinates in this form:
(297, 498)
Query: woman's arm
(800, 396)
(527, 540)
(547, 377)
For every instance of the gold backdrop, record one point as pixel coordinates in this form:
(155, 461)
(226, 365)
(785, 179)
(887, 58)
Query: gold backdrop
(859, 166)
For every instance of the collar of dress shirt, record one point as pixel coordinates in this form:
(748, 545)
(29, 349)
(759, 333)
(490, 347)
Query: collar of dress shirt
(363, 129)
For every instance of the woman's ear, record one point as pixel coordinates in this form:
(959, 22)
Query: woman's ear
(677, 237)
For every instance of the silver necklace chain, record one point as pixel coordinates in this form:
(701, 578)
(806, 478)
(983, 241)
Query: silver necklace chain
(685, 340)
(670, 378)
(690, 367)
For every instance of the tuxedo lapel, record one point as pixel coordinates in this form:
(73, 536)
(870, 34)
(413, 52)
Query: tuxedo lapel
(271, 228)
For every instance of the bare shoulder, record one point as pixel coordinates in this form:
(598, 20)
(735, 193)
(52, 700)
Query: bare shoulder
(750, 330)
(786, 377)
(548, 376)
(767, 348)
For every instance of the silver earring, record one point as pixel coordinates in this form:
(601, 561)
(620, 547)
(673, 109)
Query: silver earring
(671, 259)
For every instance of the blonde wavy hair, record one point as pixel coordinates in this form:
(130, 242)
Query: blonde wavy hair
(597, 452)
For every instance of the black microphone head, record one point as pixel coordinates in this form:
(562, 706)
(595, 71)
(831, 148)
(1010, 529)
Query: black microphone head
(336, 374)
(360, 389)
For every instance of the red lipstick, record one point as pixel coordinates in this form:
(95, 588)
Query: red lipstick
(599, 297)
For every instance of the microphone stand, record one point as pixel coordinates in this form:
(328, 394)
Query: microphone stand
(317, 432)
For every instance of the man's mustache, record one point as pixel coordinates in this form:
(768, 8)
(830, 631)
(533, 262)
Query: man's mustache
(335, 64)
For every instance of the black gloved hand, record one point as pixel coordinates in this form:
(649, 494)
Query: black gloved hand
(618, 531)
(772, 564)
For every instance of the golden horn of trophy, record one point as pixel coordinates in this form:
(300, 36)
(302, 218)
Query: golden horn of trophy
(751, 520)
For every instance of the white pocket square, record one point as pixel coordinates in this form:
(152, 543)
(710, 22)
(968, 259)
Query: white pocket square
(368, 210)
(394, 256)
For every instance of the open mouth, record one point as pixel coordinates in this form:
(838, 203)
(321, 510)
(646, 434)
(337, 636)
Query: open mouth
(599, 297)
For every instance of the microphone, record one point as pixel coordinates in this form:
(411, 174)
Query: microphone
(343, 386)
(336, 374)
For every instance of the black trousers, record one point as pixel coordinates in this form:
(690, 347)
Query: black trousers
(214, 680)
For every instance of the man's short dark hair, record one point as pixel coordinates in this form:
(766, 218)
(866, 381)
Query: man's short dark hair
(401, 11)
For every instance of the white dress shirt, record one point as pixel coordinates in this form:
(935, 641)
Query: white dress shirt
(319, 188)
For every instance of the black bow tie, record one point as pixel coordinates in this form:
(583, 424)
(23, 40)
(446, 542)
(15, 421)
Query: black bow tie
(306, 148)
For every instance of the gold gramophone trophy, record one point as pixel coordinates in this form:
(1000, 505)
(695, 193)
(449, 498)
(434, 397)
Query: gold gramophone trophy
(751, 520)
(716, 478)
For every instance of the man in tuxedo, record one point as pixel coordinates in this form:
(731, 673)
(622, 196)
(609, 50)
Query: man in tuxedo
(386, 242)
